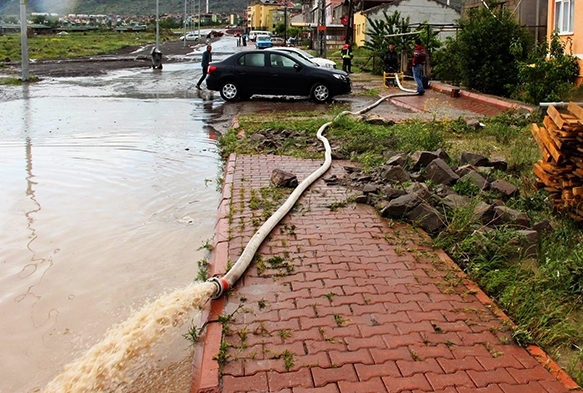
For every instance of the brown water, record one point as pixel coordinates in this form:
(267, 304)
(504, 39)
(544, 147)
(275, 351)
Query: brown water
(105, 201)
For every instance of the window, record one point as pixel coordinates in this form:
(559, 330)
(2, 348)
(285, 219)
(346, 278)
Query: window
(281, 61)
(252, 59)
(564, 15)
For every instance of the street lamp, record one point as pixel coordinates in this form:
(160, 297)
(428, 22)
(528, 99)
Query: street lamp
(23, 41)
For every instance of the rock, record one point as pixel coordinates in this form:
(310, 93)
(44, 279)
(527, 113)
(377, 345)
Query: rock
(476, 124)
(504, 188)
(498, 163)
(473, 159)
(257, 137)
(443, 155)
(377, 120)
(543, 226)
(420, 159)
(482, 213)
(504, 215)
(476, 179)
(454, 201)
(464, 170)
(427, 217)
(442, 190)
(352, 169)
(394, 174)
(420, 189)
(363, 199)
(392, 193)
(440, 173)
(398, 159)
(528, 242)
(398, 207)
(370, 188)
(282, 178)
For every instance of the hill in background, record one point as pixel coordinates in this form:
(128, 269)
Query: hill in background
(121, 7)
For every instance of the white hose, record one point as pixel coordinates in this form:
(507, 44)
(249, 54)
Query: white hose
(229, 279)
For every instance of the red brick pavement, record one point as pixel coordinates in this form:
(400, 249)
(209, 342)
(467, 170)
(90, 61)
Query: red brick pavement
(344, 301)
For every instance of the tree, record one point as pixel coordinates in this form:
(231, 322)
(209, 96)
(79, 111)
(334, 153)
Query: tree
(486, 51)
(383, 31)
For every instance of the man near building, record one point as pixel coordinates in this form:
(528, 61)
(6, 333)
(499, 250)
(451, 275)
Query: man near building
(347, 56)
(207, 57)
(419, 57)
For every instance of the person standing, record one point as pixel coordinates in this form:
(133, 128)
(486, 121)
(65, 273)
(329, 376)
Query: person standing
(207, 57)
(347, 56)
(419, 57)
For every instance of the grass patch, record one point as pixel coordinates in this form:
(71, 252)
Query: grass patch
(74, 44)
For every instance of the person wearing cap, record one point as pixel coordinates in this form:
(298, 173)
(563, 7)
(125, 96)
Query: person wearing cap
(347, 56)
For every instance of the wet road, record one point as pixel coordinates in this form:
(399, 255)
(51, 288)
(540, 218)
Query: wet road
(108, 190)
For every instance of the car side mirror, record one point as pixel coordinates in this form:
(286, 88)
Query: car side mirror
(297, 67)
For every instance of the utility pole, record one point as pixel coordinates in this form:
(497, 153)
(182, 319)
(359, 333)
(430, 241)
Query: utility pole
(199, 14)
(23, 41)
(285, 24)
(184, 23)
(322, 28)
(157, 25)
(349, 23)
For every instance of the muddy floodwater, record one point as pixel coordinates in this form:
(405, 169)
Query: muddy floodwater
(108, 189)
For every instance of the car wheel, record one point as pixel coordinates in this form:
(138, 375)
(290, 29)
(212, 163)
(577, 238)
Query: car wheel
(320, 92)
(230, 91)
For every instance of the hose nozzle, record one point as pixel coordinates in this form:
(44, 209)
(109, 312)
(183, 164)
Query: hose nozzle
(221, 286)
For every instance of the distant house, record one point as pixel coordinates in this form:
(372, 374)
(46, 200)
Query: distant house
(436, 13)
(569, 24)
(259, 13)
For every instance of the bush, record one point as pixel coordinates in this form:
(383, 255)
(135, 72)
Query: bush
(545, 79)
(486, 51)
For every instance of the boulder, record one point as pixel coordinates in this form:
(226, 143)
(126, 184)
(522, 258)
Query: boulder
(370, 188)
(476, 179)
(427, 217)
(420, 189)
(440, 173)
(283, 178)
(498, 163)
(454, 201)
(473, 159)
(398, 207)
(527, 242)
(395, 174)
(420, 159)
(504, 215)
(398, 159)
(504, 188)
(392, 193)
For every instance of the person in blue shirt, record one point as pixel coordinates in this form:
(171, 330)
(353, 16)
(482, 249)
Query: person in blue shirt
(207, 57)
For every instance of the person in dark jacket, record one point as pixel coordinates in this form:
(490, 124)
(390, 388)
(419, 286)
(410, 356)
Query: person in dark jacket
(346, 54)
(391, 60)
(419, 57)
(207, 57)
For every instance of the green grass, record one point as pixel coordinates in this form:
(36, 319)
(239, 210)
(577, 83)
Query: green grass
(73, 45)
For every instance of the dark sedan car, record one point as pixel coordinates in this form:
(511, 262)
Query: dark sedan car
(271, 72)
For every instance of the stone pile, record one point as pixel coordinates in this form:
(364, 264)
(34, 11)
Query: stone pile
(418, 188)
(560, 171)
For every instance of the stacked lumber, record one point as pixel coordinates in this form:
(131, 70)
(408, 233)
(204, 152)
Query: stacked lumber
(560, 171)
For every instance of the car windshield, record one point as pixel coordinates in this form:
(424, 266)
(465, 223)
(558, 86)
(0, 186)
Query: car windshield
(263, 38)
(306, 54)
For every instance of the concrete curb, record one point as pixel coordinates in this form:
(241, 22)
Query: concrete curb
(490, 100)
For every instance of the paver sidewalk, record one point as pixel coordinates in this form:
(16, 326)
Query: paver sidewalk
(342, 300)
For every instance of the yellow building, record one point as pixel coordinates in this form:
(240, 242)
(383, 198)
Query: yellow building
(260, 14)
(569, 24)
(359, 23)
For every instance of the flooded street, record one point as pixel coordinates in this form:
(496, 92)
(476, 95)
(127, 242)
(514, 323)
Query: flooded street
(108, 191)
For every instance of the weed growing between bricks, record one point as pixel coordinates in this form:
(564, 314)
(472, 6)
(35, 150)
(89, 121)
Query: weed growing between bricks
(542, 293)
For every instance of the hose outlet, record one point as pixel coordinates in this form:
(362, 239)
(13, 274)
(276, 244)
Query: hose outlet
(221, 286)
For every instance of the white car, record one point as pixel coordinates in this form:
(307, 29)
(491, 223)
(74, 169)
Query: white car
(190, 37)
(317, 60)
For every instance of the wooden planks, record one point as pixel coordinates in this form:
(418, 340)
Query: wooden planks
(560, 172)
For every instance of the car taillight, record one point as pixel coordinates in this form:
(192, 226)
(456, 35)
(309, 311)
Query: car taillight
(211, 69)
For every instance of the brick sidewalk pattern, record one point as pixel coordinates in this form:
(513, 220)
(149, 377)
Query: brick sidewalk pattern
(344, 301)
